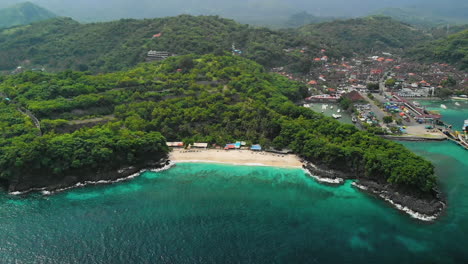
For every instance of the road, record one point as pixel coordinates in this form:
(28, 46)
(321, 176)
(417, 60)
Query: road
(374, 108)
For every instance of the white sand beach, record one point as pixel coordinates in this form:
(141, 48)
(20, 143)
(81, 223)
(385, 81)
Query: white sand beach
(239, 157)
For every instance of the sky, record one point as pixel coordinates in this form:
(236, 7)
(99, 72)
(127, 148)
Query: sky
(104, 10)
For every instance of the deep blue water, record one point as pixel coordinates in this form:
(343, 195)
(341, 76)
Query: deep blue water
(208, 213)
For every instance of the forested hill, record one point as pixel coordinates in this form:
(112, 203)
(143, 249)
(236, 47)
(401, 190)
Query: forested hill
(104, 47)
(23, 14)
(99, 123)
(453, 49)
(63, 43)
(362, 35)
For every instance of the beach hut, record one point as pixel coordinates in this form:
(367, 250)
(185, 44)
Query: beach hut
(256, 148)
(175, 144)
(200, 145)
(230, 146)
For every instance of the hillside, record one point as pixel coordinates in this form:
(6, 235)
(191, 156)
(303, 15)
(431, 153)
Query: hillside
(453, 49)
(304, 18)
(363, 35)
(105, 122)
(63, 43)
(23, 14)
(413, 17)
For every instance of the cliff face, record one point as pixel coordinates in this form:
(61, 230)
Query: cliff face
(41, 181)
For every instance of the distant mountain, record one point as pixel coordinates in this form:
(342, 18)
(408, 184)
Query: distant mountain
(258, 12)
(453, 49)
(22, 14)
(413, 17)
(364, 35)
(304, 18)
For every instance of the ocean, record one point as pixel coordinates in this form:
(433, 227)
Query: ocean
(213, 213)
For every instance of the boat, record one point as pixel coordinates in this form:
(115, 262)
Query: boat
(465, 125)
(457, 103)
(354, 119)
(417, 104)
(331, 107)
(338, 111)
(461, 97)
(443, 106)
(307, 105)
(336, 116)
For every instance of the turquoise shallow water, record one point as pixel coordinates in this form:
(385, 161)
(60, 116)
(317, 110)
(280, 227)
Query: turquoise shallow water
(454, 114)
(209, 213)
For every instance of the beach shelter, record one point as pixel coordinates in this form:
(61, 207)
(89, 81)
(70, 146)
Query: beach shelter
(230, 146)
(256, 148)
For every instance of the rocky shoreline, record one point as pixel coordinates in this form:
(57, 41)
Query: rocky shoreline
(426, 207)
(50, 185)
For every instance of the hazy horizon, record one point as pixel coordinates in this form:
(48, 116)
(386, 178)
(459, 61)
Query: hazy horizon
(102, 10)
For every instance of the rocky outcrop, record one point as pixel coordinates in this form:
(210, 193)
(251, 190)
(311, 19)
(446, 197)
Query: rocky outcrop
(30, 183)
(419, 205)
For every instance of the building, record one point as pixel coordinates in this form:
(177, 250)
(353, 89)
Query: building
(256, 148)
(200, 145)
(175, 144)
(154, 55)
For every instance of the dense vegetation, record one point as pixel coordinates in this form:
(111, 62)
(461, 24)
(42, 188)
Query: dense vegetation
(62, 43)
(453, 49)
(363, 35)
(209, 99)
(23, 14)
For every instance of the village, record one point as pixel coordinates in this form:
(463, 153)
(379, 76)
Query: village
(383, 90)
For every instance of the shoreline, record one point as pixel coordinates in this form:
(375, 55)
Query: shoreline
(46, 192)
(236, 157)
(423, 209)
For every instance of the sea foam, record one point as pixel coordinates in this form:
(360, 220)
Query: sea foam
(323, 179)
(413, 214)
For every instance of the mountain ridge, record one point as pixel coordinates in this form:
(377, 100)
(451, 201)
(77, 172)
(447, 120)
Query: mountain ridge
(23, 14)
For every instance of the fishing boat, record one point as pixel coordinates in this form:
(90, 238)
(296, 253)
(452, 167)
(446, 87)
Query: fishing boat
(443, 106)
(336, 116)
